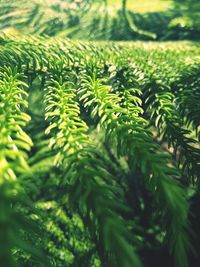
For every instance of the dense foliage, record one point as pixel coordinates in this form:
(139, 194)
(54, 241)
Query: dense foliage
(99, 153)
(101, 19)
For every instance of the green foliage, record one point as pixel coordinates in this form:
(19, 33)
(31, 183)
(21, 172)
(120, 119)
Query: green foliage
(99, 151)
(101, 19)
(13, 161)
(85, 175)
(191, 9)
(188, 18)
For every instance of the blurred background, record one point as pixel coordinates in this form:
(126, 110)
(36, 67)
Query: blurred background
(103, 19)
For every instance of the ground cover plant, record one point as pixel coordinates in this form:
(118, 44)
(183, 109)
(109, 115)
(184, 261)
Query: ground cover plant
(99, 153)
